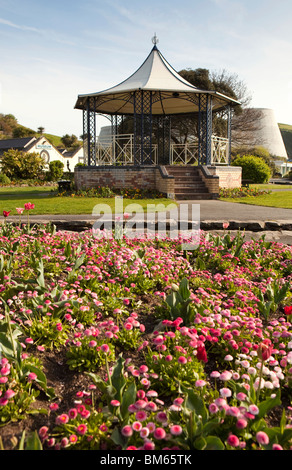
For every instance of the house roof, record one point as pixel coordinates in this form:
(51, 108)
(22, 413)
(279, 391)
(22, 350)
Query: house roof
(71, 153)
(171, 92)
(24, 144)
(19, 143)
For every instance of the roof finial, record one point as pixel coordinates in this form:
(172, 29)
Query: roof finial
(155, 39)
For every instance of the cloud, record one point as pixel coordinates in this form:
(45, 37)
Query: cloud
(21, 27)
(48, 34)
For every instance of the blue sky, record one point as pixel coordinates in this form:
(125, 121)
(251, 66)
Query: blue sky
(51, 51)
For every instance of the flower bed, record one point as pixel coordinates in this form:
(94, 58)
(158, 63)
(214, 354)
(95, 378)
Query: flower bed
(242, 192)
(135, 344)
(106, 192)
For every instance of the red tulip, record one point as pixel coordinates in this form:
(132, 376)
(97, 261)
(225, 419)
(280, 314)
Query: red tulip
(6, 214)
(288, 310)
(202, 354)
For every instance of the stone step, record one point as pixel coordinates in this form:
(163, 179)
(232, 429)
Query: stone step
(190, 193)
(184, 173)
(188, 183)
(190, 189)
(182, 184)
(182, 170)
(188, 178)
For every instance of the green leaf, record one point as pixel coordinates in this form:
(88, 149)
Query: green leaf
(10, 349)
(22, 441)
(100, 383)
(195, 403)
(129, 397)
(267, 405)
(68, 249)
(283, 421)
(41, 379)
(117, 378)
(200, 443)
(33, 442)
(111, 391)
(117, 438)
(214, 443)
(79, 262)
(184, 289)
(40, 278)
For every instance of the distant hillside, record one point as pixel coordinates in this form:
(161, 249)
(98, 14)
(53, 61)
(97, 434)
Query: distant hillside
(54, 139)
(10, 128)
(286, 132)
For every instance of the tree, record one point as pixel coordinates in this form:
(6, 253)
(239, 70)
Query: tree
(41, 130)
(185, 128)
(7, 123)
(22, 131)
(21, 165)
(244, 125)
(69, 141)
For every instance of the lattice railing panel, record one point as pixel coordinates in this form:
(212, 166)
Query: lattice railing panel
(184, 153)
(219, 151)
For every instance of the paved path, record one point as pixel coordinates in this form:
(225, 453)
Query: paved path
(210, 210)
(221, 210)
(275, 223)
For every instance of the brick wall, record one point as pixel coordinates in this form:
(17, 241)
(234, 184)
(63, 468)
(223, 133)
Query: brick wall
(229, 176)
(143, 177)
(164, 182)
(211, 180)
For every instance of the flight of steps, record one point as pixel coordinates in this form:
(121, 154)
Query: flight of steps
(188, 182)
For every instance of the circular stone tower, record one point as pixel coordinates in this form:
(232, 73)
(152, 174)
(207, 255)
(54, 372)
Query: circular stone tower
(268, 134)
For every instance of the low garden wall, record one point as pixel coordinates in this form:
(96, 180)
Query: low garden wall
(140, 177)
(229, 176)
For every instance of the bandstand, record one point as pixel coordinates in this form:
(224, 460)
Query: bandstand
(140, 111)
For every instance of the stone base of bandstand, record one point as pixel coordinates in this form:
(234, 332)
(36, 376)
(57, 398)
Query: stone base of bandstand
(152, 177)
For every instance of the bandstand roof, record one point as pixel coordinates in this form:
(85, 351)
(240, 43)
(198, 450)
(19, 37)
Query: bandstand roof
(172, 94)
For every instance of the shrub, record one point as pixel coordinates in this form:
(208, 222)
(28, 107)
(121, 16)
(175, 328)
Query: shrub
(21, 165)
(4, 179)
(79, 165)
(56, 170)
(288, 175)
(253, 168)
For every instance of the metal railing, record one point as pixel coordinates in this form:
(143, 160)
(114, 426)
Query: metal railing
(219, 151)
(119, 150)
(184, 153)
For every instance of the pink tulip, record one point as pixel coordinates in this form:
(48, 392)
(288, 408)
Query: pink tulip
(265, 349)
(28, 206)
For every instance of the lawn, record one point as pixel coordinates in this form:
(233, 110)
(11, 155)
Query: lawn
(46, 201)
(280, 199)
(271, 186)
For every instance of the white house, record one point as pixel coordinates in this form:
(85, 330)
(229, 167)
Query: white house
(72, 158)
(45, 149)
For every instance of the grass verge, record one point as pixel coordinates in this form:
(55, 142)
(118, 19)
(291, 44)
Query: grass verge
(45, 201)
(280, 199)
